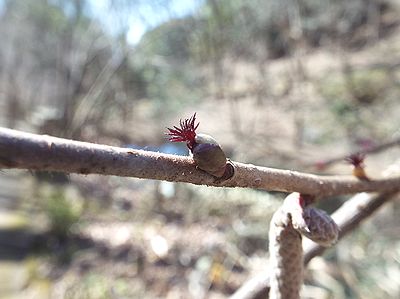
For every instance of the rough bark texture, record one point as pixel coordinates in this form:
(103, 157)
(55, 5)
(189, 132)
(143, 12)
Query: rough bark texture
(46, 153)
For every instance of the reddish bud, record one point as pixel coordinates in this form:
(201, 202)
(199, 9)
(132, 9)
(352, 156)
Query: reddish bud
(356, 159)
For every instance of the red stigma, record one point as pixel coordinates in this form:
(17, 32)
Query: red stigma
(356, 159)
(186, 132)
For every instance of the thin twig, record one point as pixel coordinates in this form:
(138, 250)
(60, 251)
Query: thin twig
(41, 152)
(347, 217)
(321, 165)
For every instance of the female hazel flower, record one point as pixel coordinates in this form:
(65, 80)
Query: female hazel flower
(207, 153)
(357, 161)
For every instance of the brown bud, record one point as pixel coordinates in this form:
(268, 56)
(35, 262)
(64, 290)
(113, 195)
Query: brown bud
(359, 173)
(209, 156)
(321, 228)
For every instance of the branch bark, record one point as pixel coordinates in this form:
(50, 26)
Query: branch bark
(347, 217)
(41, 152)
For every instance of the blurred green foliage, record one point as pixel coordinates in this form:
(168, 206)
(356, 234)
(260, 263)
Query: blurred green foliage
(101, 286)
(357, 87)
(241, 28)
(62, 210)
(170, 39)
(90, 77)
(355, 96)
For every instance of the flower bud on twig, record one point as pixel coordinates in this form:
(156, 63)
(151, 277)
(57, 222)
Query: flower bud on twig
(357, 161)
(207, 153)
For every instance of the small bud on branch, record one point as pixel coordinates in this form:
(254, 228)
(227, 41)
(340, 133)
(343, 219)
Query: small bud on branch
(207, 153)
(357, 161)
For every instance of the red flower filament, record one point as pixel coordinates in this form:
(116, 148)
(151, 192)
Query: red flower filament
(185, 133)
(357, 159)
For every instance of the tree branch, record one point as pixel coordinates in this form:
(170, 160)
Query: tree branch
(41, 152)
(371, 150)
(347, 217)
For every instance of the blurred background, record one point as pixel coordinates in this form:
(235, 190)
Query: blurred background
(291, 84)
